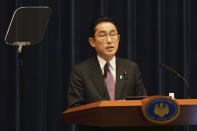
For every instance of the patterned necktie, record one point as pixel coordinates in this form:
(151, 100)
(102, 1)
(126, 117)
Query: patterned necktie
(109, 80)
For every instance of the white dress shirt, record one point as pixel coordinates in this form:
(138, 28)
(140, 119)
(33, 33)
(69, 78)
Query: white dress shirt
(112, 65)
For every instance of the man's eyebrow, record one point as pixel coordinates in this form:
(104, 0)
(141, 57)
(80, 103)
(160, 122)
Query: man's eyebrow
(112, 31)
(102, 31)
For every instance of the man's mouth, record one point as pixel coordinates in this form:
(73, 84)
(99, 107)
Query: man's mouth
(109, 47)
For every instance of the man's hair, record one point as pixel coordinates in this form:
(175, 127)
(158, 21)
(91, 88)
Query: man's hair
(98, 21)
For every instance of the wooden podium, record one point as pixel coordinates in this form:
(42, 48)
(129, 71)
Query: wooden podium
(125, 113)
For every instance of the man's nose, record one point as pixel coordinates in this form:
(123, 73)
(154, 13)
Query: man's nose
(109, 39)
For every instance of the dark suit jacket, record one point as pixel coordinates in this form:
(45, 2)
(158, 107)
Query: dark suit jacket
(87, 86)
(87, 82)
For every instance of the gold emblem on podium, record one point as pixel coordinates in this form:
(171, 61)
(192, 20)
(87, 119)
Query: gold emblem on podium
(161, 110)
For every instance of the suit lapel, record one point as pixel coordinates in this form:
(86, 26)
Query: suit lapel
(97, 78)
(119, 82)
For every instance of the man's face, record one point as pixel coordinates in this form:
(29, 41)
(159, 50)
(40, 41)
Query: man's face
(106, 40)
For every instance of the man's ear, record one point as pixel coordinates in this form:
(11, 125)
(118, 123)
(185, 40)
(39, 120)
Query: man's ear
(119, 37)
(91, 41)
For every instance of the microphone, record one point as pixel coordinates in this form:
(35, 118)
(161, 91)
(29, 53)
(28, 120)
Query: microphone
(168, 69)
(177, 74)
(171, 70)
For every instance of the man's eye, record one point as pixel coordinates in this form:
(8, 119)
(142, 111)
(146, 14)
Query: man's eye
(103, 35)
(112, 34)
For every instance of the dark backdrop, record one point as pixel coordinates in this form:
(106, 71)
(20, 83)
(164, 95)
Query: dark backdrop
(152, 32)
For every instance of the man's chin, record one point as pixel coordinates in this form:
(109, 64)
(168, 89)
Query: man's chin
(110, 54)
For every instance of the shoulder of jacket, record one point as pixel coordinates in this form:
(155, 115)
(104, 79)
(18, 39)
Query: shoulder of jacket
(84, 64)
(126, 61)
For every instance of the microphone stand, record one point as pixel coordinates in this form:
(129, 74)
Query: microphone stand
(178, 75)
(186, 85)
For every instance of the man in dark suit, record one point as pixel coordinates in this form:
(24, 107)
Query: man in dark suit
(93, 80)
(105, 76)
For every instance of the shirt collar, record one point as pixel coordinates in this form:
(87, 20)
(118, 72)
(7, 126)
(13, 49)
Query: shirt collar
(102, 62)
